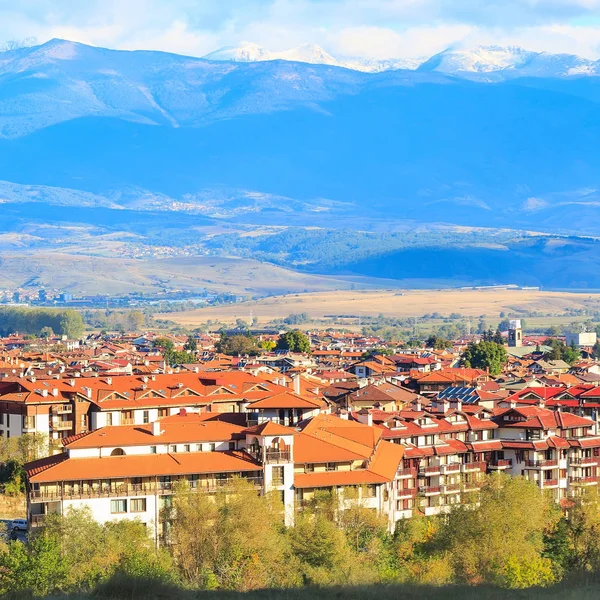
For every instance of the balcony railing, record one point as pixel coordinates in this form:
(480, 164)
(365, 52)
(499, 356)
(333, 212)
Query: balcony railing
(36, 520)
(583, 481)
(61, 425)
(473, 467)
(451, 488)
(63, 409)
(433, 470)
(548, 483)
(584, 461)
(142, 489)
(451, 468)
(405, 473)
(504, 463)
(429, 490)
(271, 456)
(406, 493)
(541, 464)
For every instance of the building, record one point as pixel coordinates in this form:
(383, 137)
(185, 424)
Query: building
(580, 339)
(132, 471)
(515, 334)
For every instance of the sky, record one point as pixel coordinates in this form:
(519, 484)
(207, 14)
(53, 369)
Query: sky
(361, 28)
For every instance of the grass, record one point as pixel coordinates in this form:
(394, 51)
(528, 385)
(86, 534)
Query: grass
(391, 303)
(584, 587)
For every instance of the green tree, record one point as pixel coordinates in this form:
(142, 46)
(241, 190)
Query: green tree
(439, 343)
(294, 341)
(71, 324)
(485, 355)
(135, 320)
(237, 345)
(501, 540)
(191, 345)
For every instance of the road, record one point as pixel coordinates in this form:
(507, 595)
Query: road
(18, 535)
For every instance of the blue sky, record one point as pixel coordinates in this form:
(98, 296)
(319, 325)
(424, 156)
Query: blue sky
(368, 28)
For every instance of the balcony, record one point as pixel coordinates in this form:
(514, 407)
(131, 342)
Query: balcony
(429, 490)
(430, 471)
(541, 464)
(548, 483)
(36, 520)
(406, 493)
(141, 489)
(496, 465)
(451, 468)
(583, 481)
(471, 486)
(584, 461)
(63, 409)
(61, 425)
(451, 488)
(406, 473)
(473, 467)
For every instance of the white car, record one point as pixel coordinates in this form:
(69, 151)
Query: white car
(19, 525)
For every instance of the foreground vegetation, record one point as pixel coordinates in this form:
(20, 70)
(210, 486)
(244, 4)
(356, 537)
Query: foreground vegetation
(515, 538)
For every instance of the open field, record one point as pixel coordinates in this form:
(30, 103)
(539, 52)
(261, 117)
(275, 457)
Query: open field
(393, 303)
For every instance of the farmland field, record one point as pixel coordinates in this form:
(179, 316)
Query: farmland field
(394, 303)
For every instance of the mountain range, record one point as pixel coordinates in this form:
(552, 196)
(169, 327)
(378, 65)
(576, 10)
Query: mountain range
(483, 61)
(495, 138)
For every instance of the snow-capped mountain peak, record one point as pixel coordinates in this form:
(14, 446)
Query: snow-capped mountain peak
(242, 52)
(307, 53)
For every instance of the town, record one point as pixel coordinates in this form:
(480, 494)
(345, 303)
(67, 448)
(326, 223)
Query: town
(415, 430)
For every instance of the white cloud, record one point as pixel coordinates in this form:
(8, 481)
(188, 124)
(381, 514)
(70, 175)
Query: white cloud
(369, 28)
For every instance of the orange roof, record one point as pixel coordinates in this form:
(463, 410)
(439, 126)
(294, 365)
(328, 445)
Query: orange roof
(386, 459)
(270, 428)
(113, 467)
(309, 449)
(283, 400)
(177, 430)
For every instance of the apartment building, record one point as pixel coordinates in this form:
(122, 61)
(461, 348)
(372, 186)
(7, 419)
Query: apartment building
(61, 408)
(125, 472)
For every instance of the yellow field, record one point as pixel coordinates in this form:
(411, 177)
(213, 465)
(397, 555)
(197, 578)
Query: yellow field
(410, 303)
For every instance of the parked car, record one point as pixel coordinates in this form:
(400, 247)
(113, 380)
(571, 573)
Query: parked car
(19, 525)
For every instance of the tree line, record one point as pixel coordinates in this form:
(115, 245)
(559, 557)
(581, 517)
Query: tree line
(514, 537)
(40, 320)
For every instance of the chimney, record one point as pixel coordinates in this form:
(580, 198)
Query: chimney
(296, 380)
(109, 381)
(55, 392)
(145, 379)
(196, 370)
(72, 382)
(156, 428)
(182, 412)
(44, 393)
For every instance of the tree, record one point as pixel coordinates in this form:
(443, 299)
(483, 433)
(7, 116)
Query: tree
(135, 320)
(438, 343)
(485, 355)
(191, 345)
(71, 324)
(501, 541)
(164, 344)
(46, 332)
(560, 351)
(294, 341)
(237, 345)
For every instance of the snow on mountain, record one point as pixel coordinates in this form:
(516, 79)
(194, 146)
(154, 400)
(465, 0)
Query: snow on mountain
(306, 53)
(509, 61)
(481, 59)
(243, 52)
(378, 65)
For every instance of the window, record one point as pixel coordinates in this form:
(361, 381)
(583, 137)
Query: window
(152, 449)
(1, 418)
(331, 467)
(232, 445)
(213, 447)
(28, 422)
(109, 418)
(163, 412)
(198, 447)
(146, 416)
(173, 448)
(186, 448)
(137, 505)
(277, 475)
(118, 506)
(309, 468)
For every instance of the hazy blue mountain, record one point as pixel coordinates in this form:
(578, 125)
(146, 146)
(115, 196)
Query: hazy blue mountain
(150, 130)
